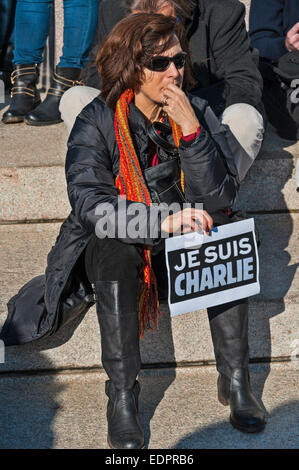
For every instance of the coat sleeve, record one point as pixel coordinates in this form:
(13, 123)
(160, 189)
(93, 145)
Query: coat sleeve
(266, 28)
(231, 51)
(210, 165)
(94, 198)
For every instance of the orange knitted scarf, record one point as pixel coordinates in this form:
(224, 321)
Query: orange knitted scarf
(131, 183)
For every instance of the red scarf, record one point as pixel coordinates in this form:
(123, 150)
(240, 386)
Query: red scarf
(130, 182)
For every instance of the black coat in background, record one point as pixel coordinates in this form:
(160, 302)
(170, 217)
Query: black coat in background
(210, 166)
(219, 47)
(269, 23)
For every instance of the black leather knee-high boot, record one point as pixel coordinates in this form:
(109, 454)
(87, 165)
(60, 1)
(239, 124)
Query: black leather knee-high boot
(229, 330)
(117, 310)
(24, 95)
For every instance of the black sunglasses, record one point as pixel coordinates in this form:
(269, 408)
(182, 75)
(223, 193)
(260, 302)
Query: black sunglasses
(161, 63)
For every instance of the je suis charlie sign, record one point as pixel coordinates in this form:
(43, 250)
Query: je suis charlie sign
(208, 270)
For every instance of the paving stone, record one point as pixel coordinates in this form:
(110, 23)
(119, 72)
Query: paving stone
(269, 186)
(40, 193)
(30, 146)
(33, 193)
(178, 410)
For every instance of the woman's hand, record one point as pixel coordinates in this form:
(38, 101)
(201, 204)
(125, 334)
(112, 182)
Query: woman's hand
(188, 220)
(178, 107)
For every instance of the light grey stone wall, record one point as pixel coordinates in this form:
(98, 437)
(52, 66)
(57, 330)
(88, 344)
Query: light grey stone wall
(58, 29)
(247, 5)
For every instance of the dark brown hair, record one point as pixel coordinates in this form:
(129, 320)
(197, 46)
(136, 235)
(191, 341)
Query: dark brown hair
(128, 48)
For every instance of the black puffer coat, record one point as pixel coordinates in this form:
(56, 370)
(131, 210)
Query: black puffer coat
(210, 165)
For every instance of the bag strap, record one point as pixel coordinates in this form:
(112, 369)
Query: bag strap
(158, 139)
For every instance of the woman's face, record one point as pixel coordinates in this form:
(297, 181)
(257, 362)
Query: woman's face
(155, 83)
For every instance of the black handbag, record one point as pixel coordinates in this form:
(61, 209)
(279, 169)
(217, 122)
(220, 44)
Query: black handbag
(164, 180)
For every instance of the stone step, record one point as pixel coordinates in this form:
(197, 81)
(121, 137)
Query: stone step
(178, 410)
(37, 191)
(32, 174)
(184, 340)
(273, 330)
(33, 187)
(29, 146)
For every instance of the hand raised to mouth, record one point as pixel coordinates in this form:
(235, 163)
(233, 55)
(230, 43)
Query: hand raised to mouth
(177, 105)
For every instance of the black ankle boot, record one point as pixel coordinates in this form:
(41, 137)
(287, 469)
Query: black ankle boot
(246, 413)
(117, 311)
(47, 112)
(24, 94)
(124, 428)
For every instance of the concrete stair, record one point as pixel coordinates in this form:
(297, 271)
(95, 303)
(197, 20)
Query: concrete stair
(178, 410)
(62, 404)
(33, 202)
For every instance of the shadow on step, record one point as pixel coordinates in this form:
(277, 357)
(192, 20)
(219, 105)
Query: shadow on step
(281, 432)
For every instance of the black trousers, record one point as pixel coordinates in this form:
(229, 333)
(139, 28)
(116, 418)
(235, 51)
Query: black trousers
(111, 260)
(281, 112)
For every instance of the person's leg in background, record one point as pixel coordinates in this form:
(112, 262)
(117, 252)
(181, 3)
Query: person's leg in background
(31, 29)
(277, 101)
(7, 10)
(7, 14)
(247, 125)
(112, 267)
(80, 22)
(245, 122)
(282, 107)
(73, 101)
(32, 21)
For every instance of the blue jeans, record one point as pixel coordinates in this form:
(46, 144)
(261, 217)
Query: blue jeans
(32, 23)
